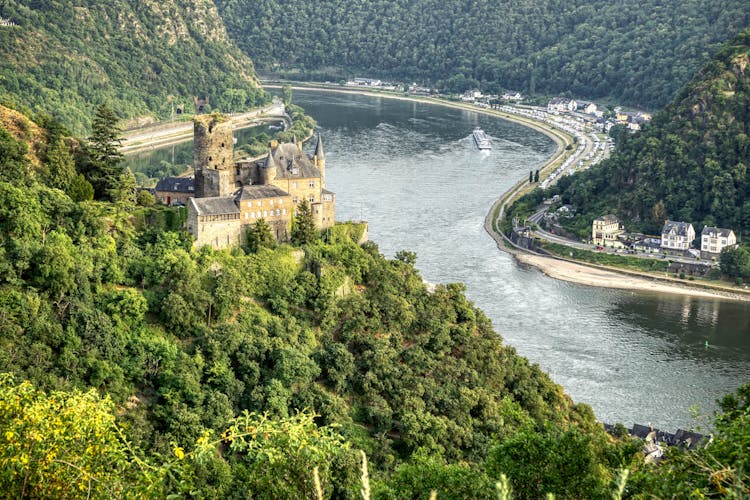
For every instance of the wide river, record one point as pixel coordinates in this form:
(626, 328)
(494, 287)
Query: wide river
(412, 171)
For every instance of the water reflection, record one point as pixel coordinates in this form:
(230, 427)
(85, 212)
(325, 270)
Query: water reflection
(695, 328)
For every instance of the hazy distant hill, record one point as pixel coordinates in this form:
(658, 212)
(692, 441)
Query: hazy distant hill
(142, 57)
(691, 163)
(638, 54)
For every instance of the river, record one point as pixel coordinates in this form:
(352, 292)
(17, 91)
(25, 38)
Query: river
(412, 171)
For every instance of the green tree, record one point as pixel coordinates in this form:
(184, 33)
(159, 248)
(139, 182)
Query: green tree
(303, 226)
(122, 190)
(62, 445)
(80, 189)
(104, 159)
(259, 236)
(286, 95)
(60, 165)
(144, 198)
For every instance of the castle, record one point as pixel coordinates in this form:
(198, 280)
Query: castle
(232, 195)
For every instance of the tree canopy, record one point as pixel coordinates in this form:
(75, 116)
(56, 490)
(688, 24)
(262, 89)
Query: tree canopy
(146, 59)
(689, 164)
(592, 49)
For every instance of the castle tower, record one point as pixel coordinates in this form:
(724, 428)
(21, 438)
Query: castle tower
(319, 158)
(213, 155)
(268, 171)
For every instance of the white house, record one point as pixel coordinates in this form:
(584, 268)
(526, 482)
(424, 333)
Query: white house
(606, 230)
(715, 239)
(587, 107)
(677, 235)
(561, 105)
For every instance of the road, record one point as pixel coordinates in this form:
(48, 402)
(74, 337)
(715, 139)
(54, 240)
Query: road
(537, 217)
(165, 134)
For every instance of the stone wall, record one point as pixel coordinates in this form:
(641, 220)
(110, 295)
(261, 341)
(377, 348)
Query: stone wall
(218, 234)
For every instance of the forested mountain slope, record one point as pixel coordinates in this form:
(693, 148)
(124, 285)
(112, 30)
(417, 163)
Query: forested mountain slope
(636, 54)
(690, 164)
(141, 57)
(110, 297)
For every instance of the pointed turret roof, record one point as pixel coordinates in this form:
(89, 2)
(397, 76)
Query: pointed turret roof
(319, 149)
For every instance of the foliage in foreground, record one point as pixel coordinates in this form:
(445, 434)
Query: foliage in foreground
(70, 444)
(321, 349)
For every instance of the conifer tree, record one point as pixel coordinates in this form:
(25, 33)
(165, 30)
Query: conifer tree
(259, 235)
(303, 226)
(103, 167)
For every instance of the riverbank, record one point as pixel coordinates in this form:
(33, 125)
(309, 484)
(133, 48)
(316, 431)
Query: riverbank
(596, 277)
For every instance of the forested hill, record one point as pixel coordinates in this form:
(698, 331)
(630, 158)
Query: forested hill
(636, 54)
(110, 297)
(141, 57)
(690, 164)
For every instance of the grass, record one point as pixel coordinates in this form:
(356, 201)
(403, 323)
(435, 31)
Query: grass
(606, 259)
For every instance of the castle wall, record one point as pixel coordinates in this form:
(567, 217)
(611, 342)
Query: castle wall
(300, 189)
(223, 233)
(276, 211)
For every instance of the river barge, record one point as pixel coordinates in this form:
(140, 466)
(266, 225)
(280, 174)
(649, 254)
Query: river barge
(481, 139)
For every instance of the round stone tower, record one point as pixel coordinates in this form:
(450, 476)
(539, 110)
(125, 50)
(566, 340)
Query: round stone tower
(213, 155)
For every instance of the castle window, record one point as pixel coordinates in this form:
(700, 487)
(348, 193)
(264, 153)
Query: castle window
(249, 204)
(294, 200)
(281, 201)
(252, 214)
(312, 198)
(312, 184)
(294, 186)
(278, 212)
(247, 215)
(265, 213)
(283, 211)
(258, 203)
(271, 202)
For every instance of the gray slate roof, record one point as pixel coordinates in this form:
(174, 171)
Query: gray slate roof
(678, 228)
(259, 191)
(718, 231)
(319, 149)
(609, 218)
(219, 205)
(291, 163)
(176, 184)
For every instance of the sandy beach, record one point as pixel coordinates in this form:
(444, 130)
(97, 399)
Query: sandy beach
(592, 276)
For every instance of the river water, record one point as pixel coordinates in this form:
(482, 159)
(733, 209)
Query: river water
(412, 171)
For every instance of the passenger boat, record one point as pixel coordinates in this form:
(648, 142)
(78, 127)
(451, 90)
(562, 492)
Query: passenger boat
(481, 139)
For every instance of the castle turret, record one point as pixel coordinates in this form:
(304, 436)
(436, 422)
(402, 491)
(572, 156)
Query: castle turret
(213, 156)
(319, 159)
(268, 171)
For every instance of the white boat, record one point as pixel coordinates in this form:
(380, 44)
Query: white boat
(481, 139)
